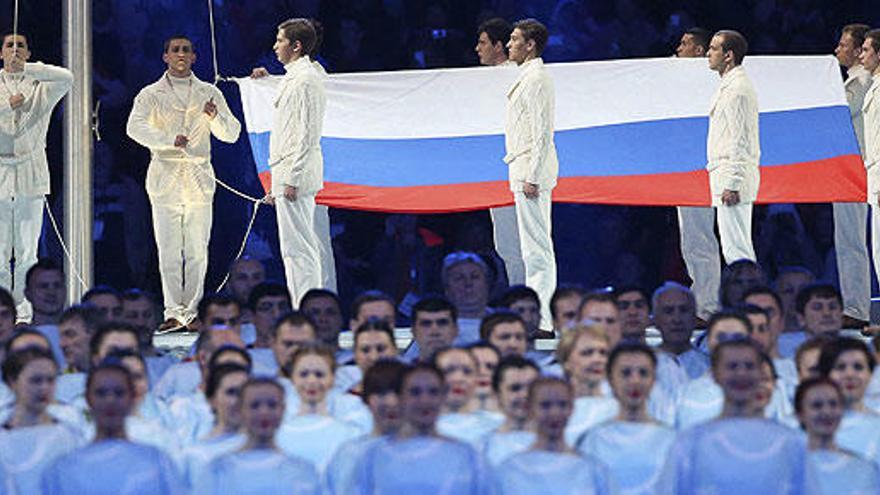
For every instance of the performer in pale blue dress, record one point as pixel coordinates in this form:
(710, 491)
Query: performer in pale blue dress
(223, 391)
(111, 464)
(633, 445)
(511, 382)
(740, 452)
(819, 404)
(849, 363)
(314, 433)
(140, 427)
(381, 391)
(462, 418)
(550, 465)
(418, 460)
(583, 352)
(31, 439)
(260, 467)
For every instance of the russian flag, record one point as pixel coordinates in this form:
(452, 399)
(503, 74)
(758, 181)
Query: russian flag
(628, 132)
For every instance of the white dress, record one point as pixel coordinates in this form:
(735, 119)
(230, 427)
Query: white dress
(859, 432)
(470, 428)
(703, 400)
(634, 452)
(314, 438)
(842, 473)
(258, 472)
(113, 467)
(191, 417)
(499, 446)
(195, 459)
(537, 471)
(178, 379)
(589, 412)
(26, 452)
(340, 477)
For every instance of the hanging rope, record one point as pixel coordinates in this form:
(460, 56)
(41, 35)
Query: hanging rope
(243, 245)
(217, 77)
(15, 29)
(70, 261)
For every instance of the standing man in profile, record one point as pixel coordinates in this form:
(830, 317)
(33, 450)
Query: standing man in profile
(733, 149)
(492, 37)
(699, 246)
(531, 157)
(28, 93)
(870, 58)
(175, 117)
(850, 233)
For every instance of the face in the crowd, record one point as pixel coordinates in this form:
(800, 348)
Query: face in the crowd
(46, 291)
(466, 286)
(138, 377)
(7, 323)
(605, 315)
(822, 315)
(869, 57)
(518, 49)
(267, 311)
(513, 392)
(222, 317)
(688, 47)
(725, 330)
(313, 378)
(675, 317)
(245, 275)
(434, 330)
(586, 363)
(74, 340)
(141, 314)
(550, 408)
(632, 378)
(635, 315)
(289, 338)
(262, 407)
(15, 53)
(226, 402)
(738, 372)
(821, 410)
(386, 410)
(761, 331)
(109, 305)
(179, 57)
(327, 316)
(776, 322)
(566, 311)
(847, 51)
(111, 399)
(459, 370)
(115, 342)
(808, 364)
(509, 338)
(787, 286)
(740, 282)
(30, 341)
(422, 398)
(852, 374)
(764, 390)
(35, 386)
(718, 58)
(285, 51)
(487, 361)
(486, 50)
(371, 346)
(378, 310)
(529, 311)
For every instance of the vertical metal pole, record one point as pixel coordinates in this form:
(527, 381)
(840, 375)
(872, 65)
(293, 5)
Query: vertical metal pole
(77, 34)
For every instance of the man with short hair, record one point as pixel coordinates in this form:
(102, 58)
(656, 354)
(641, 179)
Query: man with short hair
(767, 300)
(324, 308)
(675, 317)
(372, 304)
(106, 300)
(492, 37)
(870, 59)
(175, 117)
(789, 282)
(245, 274)
(466, 283)
(600, 308)
(511, 382)
(7, 318)
(76, 327)
(434, 327)
(292, 331)
(634, 308)
(45, 292)
(525, 302)
(694, 43)
(29, 93)
(139, 309)
(531, 157)
(850, 234)
(268, 302)
(564, 306)
(506, 331)
(733, 147)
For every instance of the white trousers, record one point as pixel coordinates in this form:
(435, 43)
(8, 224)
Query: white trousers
(699, 248)
(534, 221)
(507, 244)
(300, 247)
(853, 270)
(182, 234)
(735, 230)
(875, 237)
(21, 221)
(328, 264)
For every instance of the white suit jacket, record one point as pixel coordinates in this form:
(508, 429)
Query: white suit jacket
(295, 142)
(24, 169)
(871, 115)
(528, 129)
(180, 176)
(857, 82)
(733, 149)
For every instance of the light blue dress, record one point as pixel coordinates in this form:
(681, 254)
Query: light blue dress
(113, 467)
(843, 473)
(634, 452)
(537, 471)
(341, 475)
(694, 362)
(258, 472)
(859, 432)
(737, 456)
(314, 438)
(195, 459)
(179, 379)
(26, 452)
(499, 446)
(191, 417)
(264, 364)
(589, 412)
(70, 388)
(470, 428)
(157, 366)
(703, 400)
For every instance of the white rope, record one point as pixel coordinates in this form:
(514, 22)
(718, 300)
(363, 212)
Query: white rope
(217, 77)
(15, 29)
(71, 263)
(241, 249)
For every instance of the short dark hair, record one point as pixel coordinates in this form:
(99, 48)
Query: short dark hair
(90, 316)
(111, 363)
(729, 344)
(41, 264)
(7, 301)
(167, 44)
(497, 29)
(432, 304)
(302, 30)
(264, 289)
(27, 38)
(764, 290)
(216, 374)
(511, 362)
(753, 309)
(368, 297)
(419, 367)
(626, 289)
(215, 300)
(216, 353)
(874, 36)
(562, 291)
(24, 332)
(320, 294)
(734, 41)
(857, 32)
(832, 350)
(133, 294)
(532, 29)
(492, 320)
(701, 37)
(295, 318)
(629, 347)
(106, 329)
(383, 376)
(100, 290)
(822, 291)
(597, 296)
(375, 325)
(810, 344)
(517, 293)
(727, 314)
(808, 384)
(16, 362)
(256, 381)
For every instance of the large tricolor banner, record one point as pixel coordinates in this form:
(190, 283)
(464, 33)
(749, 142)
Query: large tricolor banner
(628, 132)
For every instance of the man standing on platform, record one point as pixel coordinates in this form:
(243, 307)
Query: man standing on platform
(531, 157)
(870, 58)
(175, 117)
(28, 93)
(733, 149)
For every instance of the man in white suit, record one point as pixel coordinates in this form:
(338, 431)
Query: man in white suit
(531, 157)
(733, 148)
(870, 58)
(175, 117)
